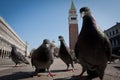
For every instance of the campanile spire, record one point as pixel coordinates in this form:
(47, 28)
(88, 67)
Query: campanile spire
(73, 25)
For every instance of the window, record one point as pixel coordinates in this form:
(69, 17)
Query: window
(116, 31)
(110, 33)
(113, 32)
(73, 18)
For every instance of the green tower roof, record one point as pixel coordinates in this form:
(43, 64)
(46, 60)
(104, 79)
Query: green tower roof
(72, 6)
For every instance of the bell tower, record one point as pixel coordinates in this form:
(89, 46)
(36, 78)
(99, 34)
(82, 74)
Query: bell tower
(73, 26)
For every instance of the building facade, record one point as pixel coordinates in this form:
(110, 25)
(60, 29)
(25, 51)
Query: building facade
(114, 35)
(73, 26)
(8, 37)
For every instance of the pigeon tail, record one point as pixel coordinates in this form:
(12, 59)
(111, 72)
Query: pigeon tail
(26, 61)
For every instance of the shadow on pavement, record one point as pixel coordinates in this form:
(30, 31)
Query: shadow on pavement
(56, 71)
(62, 70)
(74, 78)
(17, 76)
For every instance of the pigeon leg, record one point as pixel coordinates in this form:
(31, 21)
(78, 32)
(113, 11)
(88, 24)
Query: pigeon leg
(15, 65)
(67, 67)
(72, 67)
(36, 73)
(81, 73)
(71, 70)
(50, 74)
(83, 70)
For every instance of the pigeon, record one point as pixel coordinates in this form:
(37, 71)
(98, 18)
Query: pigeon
(31, 52)
(93, 48)
(64, 53)
(42, 58)
(113, 58)
(40, 70)
(18, 57)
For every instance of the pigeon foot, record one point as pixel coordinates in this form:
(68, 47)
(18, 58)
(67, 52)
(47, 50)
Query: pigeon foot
(50, 74)
(71, 70)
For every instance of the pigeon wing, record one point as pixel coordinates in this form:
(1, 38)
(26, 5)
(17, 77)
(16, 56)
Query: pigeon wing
(22, 58)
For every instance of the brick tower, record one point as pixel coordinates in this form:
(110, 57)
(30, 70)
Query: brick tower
(73, 26)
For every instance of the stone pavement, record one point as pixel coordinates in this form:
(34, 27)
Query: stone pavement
(25, 72)
(5, 63)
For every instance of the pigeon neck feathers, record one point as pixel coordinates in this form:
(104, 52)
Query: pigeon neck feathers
(89, 24)
(89, 20)
(62, 43)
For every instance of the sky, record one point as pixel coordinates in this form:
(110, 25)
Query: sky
(35, 20)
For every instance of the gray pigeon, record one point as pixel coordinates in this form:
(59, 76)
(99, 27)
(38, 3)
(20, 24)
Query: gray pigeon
(42, 58)
(93, 48)
(64, 53)
(113, 58)
(18, 57)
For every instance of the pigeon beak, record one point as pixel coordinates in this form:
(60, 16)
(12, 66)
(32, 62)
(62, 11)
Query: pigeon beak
(82, 14)
(47, 45)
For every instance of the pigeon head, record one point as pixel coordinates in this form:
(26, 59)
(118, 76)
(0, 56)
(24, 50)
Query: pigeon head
(84, 11)
(46, 42)
(14, 50)
(61, 38)
(53, 44)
